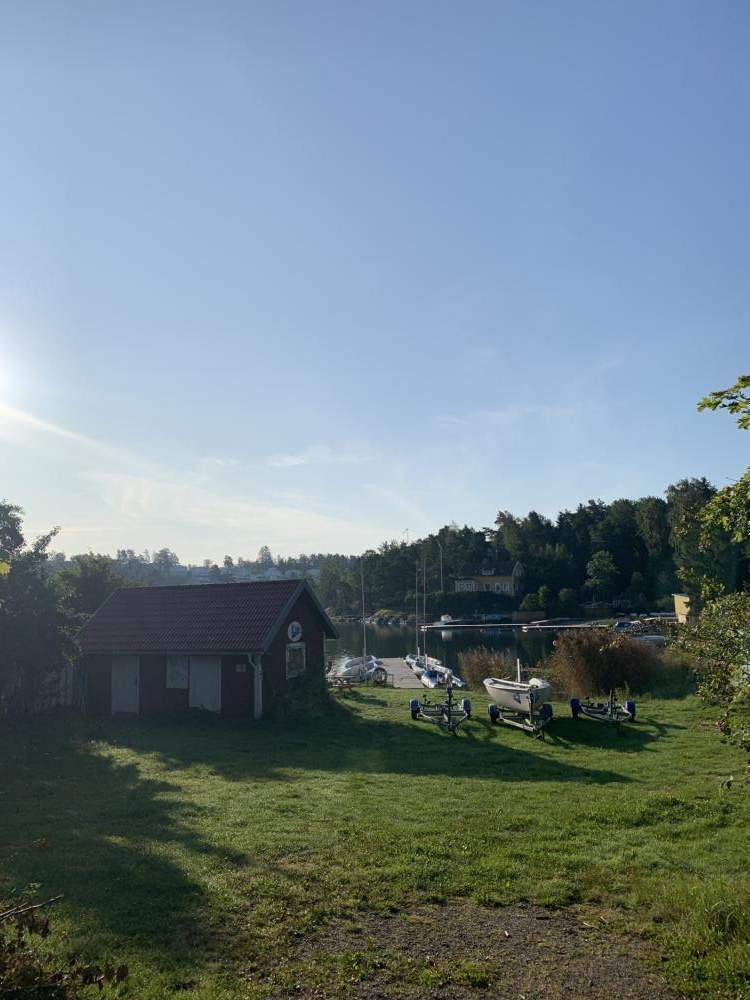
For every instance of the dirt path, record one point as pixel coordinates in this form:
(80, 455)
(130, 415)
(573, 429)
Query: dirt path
(463, 951)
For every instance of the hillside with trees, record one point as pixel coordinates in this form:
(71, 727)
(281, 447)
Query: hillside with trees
(627, 554)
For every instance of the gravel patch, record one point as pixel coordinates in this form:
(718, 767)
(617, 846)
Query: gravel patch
(462, 950)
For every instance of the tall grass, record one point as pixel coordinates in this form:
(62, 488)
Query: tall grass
(590, 662)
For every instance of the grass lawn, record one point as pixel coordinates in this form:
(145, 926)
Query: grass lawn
(201, 852)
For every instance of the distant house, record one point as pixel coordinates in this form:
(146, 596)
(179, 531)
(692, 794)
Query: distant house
(225, 647)
(682, 608)
(494, 578)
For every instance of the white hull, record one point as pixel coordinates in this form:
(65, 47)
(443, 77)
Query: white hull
(522, 697)
(356, 667)
(431, 678)
(434, 677)
(416, 663)
(448, 674)
(419, 663)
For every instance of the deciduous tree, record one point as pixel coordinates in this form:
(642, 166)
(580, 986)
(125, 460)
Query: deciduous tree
(601, 575)
(719, 642)
(36, 625)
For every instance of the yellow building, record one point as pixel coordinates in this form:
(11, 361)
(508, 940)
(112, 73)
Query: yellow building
(491, 578)
(682, 607)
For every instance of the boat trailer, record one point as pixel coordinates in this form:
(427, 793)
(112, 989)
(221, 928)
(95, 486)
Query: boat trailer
(530, 723)
(609, 711)
(448, 714)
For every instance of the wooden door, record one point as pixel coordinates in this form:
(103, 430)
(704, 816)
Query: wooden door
(125, 684)
(205, 683)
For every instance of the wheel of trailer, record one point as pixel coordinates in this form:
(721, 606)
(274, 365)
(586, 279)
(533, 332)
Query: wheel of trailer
(545, 713)
(379, 675)
(494, 713)
(630, 707)
(414, 708)
(575, 707)
(466, 707)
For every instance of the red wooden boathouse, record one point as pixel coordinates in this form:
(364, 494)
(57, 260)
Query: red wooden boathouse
(222, 647)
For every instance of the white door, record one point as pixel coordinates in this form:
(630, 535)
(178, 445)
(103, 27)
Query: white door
(125, 680)
(205, 683)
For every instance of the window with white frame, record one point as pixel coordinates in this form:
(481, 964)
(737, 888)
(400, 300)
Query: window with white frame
(177, 671)
(295, 659)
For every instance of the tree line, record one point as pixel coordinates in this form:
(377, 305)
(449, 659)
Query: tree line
(627, 553)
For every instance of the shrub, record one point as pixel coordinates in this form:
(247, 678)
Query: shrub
(31, 972)
(476, 664)
(674, 675)
(588, 662)
(302, 698)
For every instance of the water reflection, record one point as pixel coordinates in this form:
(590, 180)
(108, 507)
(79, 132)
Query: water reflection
(393, 640)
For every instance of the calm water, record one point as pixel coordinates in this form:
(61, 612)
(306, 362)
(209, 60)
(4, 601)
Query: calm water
(390, 640)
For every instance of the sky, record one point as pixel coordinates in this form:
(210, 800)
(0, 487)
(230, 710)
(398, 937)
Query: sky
(318, 274)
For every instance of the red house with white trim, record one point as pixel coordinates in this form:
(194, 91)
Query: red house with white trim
(222, 647)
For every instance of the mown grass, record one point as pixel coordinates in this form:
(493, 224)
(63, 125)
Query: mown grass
(198, 851)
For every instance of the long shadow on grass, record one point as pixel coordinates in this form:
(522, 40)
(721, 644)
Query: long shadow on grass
(347, 738)
(572, 734)
(108, 834)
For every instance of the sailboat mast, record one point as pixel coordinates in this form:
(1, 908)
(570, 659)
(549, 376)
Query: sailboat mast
(416, 605)
(424, 603)
(364, 626)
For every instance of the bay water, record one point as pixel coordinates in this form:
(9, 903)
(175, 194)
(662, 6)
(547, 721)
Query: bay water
(396, 641)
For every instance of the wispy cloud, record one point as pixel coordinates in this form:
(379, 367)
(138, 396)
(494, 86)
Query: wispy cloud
(504, 417)
(184, 505)
(202, 470)
(592, 376)
(48, 432)
(401, 500)
(211, 463)
(19, 417)
(319, 454)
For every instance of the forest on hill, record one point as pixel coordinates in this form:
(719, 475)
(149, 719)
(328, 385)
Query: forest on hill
(629, 554)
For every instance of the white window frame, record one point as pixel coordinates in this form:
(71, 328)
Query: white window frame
(293, 648)
(177, 672)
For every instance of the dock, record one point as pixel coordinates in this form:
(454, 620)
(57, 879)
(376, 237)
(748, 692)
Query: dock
(400, 674)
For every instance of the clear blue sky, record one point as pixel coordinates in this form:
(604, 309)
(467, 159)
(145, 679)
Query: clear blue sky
(312, 274)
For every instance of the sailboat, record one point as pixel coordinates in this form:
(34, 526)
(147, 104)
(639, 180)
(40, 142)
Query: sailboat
(431, 671)
(359, 668)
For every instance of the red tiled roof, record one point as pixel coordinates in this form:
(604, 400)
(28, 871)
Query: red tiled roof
(229, 617)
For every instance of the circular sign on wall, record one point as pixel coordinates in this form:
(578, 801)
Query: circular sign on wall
(294, 632)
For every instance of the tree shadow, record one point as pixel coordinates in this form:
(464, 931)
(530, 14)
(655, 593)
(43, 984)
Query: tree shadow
(570, 734)
(341, 739)
(101, 836)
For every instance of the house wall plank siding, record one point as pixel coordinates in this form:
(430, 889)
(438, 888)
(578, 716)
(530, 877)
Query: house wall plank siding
(237, 686)
(98, 684)
(274, 662)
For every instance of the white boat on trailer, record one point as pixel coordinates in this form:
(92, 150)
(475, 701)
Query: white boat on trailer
(520, 703)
